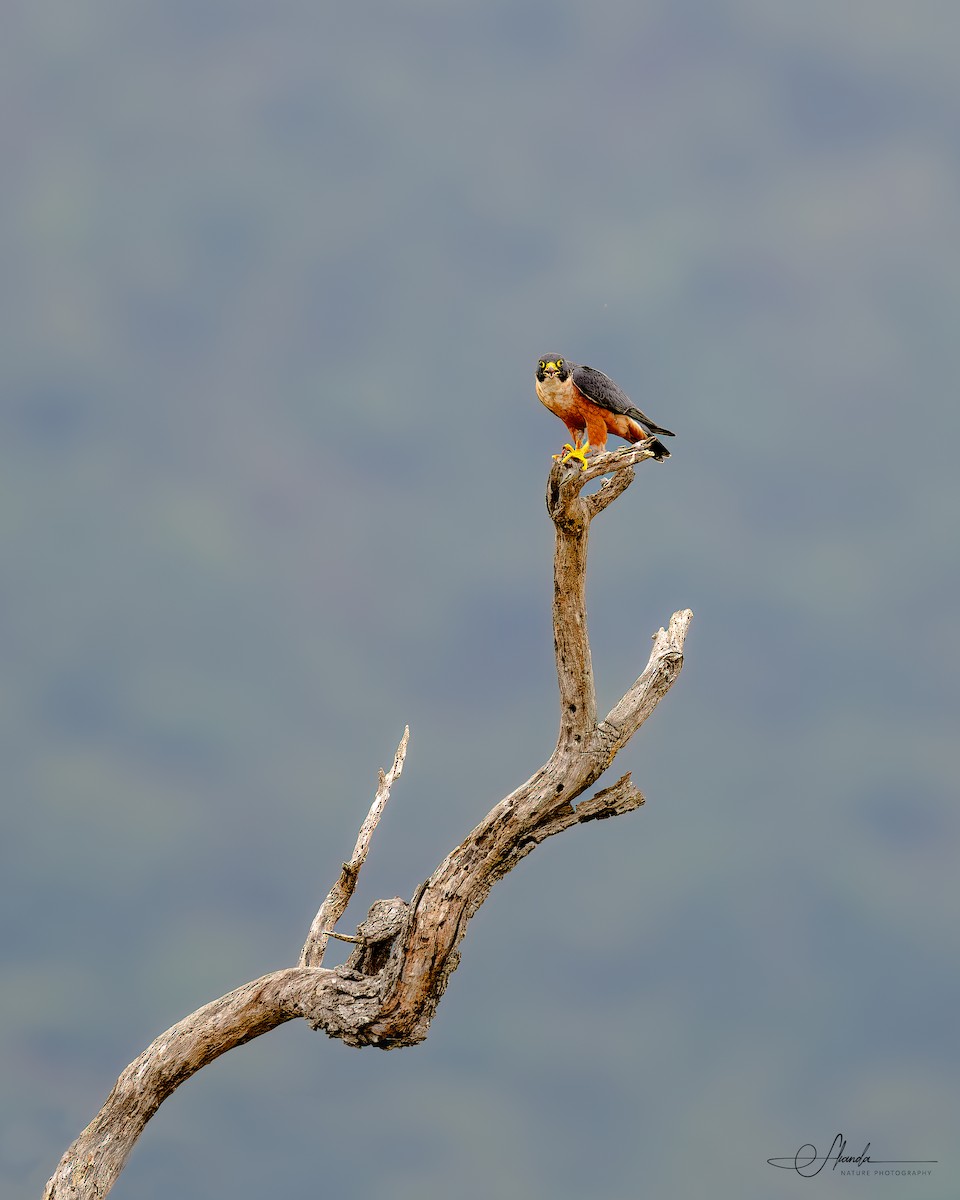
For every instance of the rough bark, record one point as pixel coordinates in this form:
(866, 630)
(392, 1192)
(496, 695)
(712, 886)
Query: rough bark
(387, 992)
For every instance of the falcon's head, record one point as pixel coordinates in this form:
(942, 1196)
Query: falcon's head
(552, 365)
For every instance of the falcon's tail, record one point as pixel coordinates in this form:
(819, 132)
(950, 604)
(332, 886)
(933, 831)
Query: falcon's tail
(649, 426)
(660, 452)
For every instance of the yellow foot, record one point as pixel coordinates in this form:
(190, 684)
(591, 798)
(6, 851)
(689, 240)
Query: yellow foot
(577, 452)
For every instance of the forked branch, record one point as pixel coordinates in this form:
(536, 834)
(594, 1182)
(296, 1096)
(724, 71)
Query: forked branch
(388, 990)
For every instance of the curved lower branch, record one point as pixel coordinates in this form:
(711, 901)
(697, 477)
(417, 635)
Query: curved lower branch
(91, 1165)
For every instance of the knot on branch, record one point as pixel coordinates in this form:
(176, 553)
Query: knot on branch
(341, 1003)
(376, 935)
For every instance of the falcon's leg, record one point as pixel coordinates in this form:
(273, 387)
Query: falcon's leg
(579, 448)
(596, 432)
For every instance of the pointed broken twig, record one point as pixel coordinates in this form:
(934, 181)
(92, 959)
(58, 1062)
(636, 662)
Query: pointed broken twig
(335, 904)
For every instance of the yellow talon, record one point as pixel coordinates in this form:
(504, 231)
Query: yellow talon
(577, 452)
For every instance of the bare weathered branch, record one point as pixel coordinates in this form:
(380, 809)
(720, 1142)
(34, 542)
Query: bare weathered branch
(91, 1165)
(578, 700)
(621, 463)
(621, 797)
(572, 513)
(666, 659)
(426, 953)
(339, 896)
(388, 990)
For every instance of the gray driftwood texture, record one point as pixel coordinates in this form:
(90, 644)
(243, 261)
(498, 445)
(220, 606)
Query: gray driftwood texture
(387, 992)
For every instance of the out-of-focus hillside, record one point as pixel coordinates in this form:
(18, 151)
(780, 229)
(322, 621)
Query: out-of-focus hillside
(275, 280)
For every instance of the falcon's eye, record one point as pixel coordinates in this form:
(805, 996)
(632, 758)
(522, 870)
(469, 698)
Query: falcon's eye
(543, 365)
(559, 363)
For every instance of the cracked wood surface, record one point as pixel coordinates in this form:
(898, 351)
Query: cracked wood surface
(388, 990)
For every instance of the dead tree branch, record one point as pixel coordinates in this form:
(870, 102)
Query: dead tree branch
(339, 896)
(388, 990)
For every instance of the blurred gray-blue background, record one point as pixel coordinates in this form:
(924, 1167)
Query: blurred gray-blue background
(274, 281)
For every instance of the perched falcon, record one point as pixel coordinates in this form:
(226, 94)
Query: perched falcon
(587, 400)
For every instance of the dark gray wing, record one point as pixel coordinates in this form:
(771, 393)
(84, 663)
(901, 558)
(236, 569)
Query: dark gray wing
(601, 389)
(606, 394)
